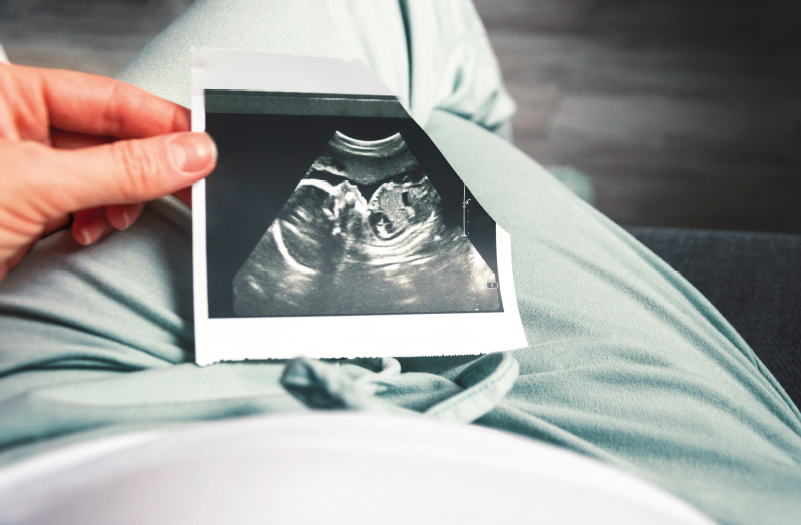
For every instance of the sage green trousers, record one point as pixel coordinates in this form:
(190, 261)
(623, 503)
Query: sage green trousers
(626, 362)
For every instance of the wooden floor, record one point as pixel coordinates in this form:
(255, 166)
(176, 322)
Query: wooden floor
(95, 36)
(681, 113)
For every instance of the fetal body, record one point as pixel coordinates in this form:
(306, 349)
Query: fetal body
(363, 233)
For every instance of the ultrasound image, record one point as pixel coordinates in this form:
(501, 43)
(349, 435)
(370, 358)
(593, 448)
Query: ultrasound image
(363, 233)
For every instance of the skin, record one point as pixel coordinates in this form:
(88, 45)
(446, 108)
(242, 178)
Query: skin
(87, 146)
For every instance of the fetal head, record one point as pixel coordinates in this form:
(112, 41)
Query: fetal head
(382, 226)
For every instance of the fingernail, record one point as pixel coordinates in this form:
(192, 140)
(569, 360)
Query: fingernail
(93, 230)
(130, 213)
(193, 152)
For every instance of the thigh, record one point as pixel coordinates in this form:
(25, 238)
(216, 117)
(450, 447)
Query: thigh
(123, 304)
(429, 54)
(102, 338)
(627, 361)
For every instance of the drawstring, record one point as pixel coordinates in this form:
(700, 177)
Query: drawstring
(485, 383)
(318, 384)
(325, 385)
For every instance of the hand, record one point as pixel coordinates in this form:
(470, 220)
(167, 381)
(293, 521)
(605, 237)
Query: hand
(60, 154)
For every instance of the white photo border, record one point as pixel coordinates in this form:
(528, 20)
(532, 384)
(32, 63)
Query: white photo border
(252, 338)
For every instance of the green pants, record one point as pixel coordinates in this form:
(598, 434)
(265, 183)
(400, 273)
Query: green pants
(626, 361)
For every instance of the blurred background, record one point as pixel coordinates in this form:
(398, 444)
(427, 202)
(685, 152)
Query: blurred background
(661, 112)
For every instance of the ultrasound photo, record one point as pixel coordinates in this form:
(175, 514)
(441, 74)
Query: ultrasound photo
(338, 205)
(363, 233)
(333, 226)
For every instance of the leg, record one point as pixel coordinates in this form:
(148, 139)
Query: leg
(430, 54)
(628, 362)
(77, 321)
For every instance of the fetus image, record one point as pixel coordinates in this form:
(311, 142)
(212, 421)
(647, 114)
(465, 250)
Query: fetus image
(363, 233)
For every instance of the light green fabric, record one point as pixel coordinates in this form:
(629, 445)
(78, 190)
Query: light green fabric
(627, 362)
(430, 54)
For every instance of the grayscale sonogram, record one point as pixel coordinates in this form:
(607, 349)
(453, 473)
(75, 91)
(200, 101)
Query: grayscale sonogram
(333, 226)
(364, 232)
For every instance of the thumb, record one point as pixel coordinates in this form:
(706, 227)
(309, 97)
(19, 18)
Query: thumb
(129, 171)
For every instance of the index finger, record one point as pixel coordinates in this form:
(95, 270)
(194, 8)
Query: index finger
(97, 105)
